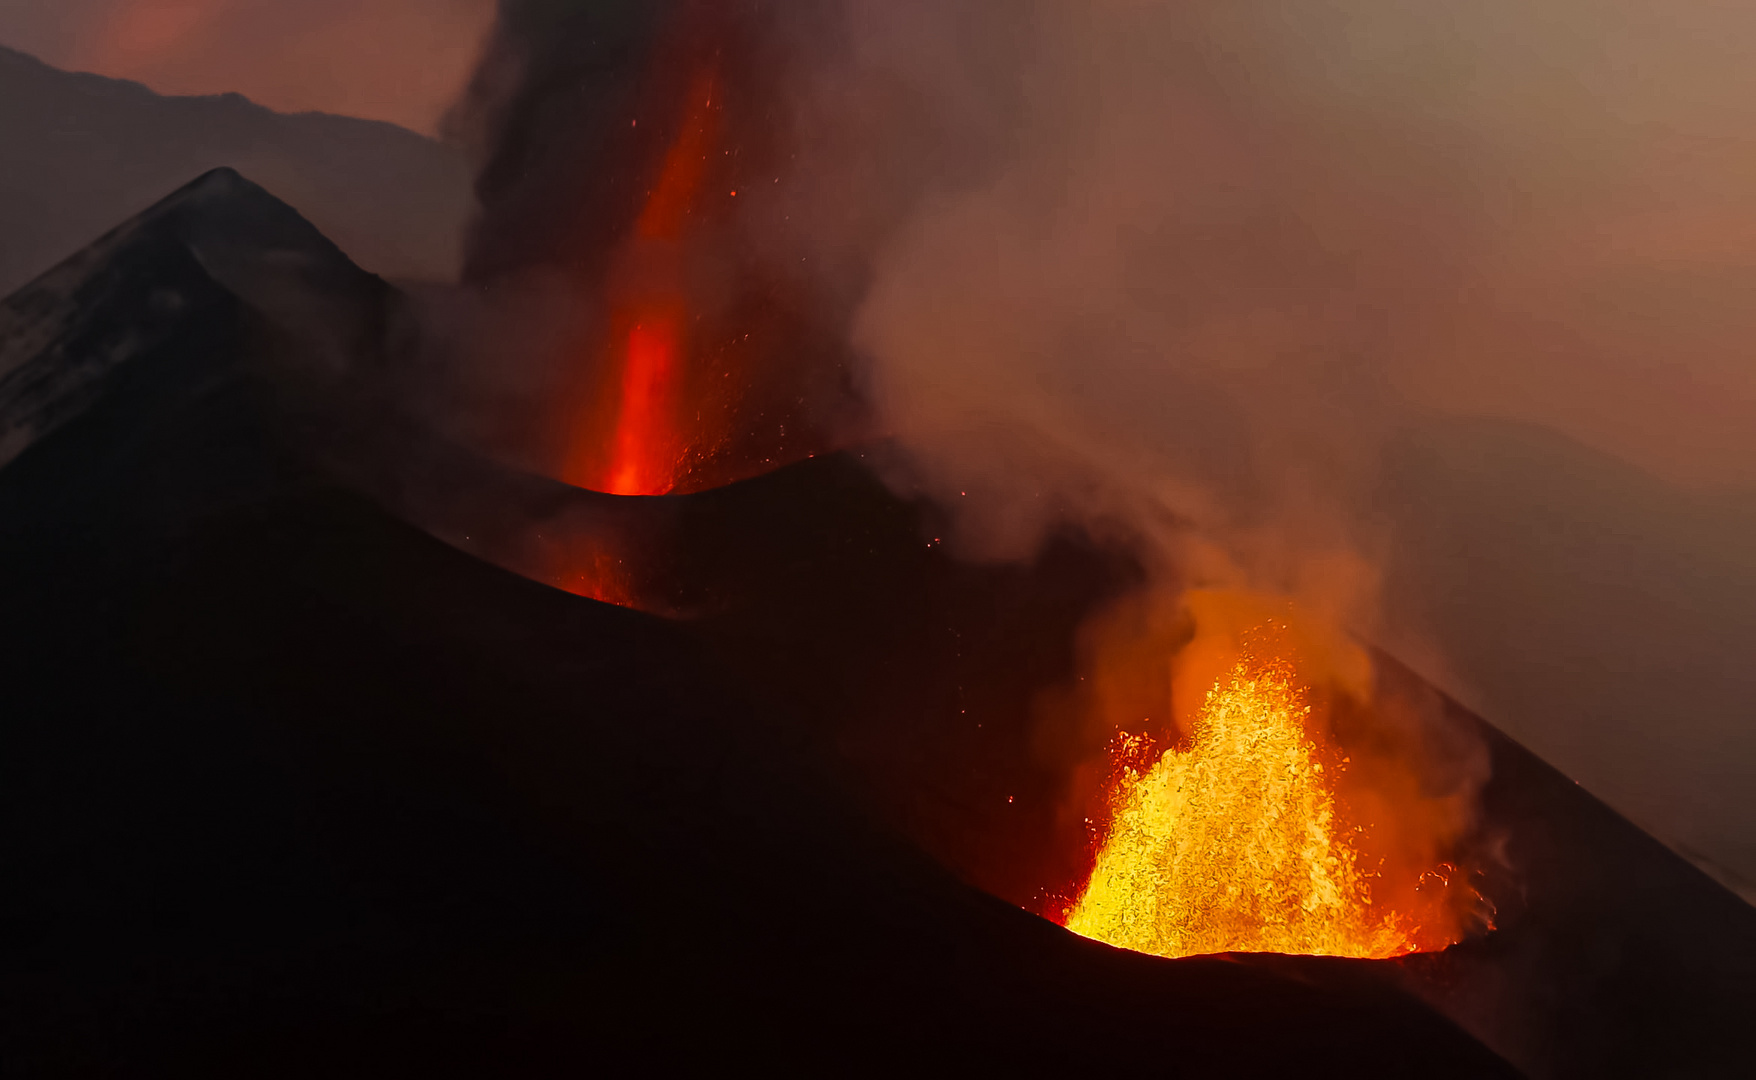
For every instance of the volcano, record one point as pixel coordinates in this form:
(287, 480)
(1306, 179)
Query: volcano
(318, 754)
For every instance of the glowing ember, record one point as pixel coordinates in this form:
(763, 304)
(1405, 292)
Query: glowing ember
(599, 576)
(1234, 844)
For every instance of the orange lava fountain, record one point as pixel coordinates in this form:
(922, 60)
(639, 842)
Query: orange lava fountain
(1236, 843)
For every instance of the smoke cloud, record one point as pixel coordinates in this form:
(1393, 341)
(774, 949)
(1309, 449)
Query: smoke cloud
(1245, 243)
(1247, 280)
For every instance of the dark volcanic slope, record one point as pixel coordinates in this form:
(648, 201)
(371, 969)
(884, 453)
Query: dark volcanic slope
(1638, 596)
(290, 787)
(1614, 956)
(82, 152)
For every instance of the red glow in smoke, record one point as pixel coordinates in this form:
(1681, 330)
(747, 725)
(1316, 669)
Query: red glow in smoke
(138, 35)
(667, 208)
(649, 449)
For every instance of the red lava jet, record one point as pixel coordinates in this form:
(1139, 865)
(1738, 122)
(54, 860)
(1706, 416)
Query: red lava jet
(647, 380)
(704, 363)
(709, 357)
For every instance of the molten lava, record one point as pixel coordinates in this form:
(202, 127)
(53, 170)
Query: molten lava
(1236, 842)
(644, 453)
(649, 449)
(711, 338)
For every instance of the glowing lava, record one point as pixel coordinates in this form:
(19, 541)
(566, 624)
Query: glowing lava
(1235, 843)
(710, 344)
(649, 450)
(644, 456)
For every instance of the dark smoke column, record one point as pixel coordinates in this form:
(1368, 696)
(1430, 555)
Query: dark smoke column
(712, 181)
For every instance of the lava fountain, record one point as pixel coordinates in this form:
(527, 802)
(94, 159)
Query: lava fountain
(715, 348)
(1232, 844)
(648, 450)
(1248, 834)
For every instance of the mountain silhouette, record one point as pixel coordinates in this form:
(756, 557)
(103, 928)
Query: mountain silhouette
(88, 151)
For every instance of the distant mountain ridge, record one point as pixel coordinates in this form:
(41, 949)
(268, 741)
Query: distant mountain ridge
(84, 152)
(220, 240)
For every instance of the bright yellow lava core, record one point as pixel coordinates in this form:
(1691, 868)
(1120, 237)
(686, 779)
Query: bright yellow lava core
(1232, 844)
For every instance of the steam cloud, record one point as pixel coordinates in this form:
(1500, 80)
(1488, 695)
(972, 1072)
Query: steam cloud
(1197, 269)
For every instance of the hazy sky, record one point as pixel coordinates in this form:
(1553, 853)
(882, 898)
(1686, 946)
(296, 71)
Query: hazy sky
(396, 60)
